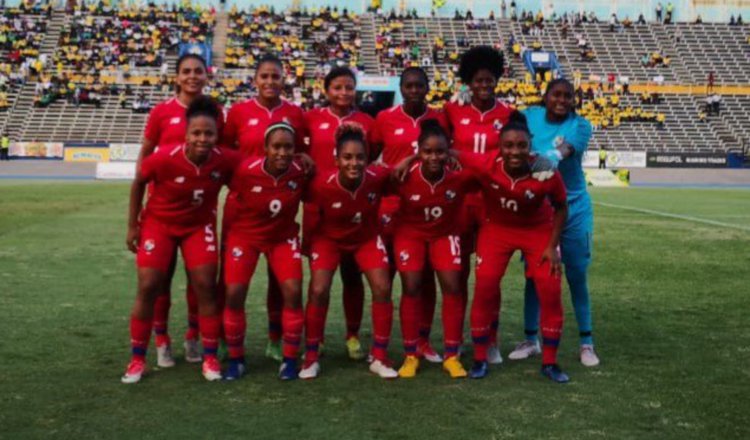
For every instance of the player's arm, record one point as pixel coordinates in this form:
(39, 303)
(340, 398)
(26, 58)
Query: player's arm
(575, 141)
(150, 138)
(137, 190)
(477, 162)
(308, 164)
(558, 199)
(399, 172)
(375, 141)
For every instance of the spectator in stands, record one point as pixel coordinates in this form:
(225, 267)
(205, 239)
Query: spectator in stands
(602, 158)
(732, 21)
(503, 10)
(710, 84)
(5, 147)
(613, 23)
(670, 11)
(659, 9)
(739, 20)
(513, 11)
(627, 23)
(699, 19)
(641, 19)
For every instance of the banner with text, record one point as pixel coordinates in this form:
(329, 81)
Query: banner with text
(616, 159)
(124, 152)
(686, 160)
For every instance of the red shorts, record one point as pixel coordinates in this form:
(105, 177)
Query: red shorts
(310, 221)
(387, 215)
(241, 257)
(444, 253)
(472, 215)
(159, 243)
(497, 243)
(326, 254)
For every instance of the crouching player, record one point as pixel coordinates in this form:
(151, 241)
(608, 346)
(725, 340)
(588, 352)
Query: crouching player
(431, 197)
(267, 191)
(524, 214)
(347, 201)
(180, 212)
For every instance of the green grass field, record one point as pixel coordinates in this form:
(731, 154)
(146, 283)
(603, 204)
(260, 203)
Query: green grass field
(670, 295)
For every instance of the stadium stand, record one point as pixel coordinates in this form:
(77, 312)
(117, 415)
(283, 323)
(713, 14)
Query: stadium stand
(98, 61)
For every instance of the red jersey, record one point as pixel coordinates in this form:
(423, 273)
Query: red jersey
(398, 132)
(166, 124)
(428, 210)
(523, 202)
(349, 218)
(247, 122)
(183, 193)
(476, 131)
(267, 205)
(321, 125)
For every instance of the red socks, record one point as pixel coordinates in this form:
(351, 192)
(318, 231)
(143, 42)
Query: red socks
(315, 322)
(161, 318)
(292, 321)
(409, 310)
(235, 326)
(453, 323)
(551, 315)
(354, 303)
(486, 290)
(382, 320)
(140, 333)
(210, 326)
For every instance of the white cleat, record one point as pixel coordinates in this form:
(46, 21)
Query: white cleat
(493, 355)
(134, 372)
(310, 372)
(525, 350)
(429, 354)
(211, 369)
(192, 351)
(164, 357)
(588, 356)
(383, 370)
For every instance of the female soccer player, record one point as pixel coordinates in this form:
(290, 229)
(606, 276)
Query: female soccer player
(246, 125)
(180, 212)
(321, 125)
(475, 127)
(267, 192)
(563, 136)
(522, 214)
(165, 128)
(431, 197)
(347, 201)
(394, 138)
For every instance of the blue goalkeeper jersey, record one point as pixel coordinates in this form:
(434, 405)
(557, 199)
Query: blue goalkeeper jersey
(546, 136)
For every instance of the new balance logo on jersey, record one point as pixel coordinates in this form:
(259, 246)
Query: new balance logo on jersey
(324, 126)
(465, 121)
(297, 256)
(257, 189)
(457, 260)
(415, 197)
(529, 194)
(211, 248)
(336, 205)
(253, 121)
(479, 260)
(399, 131)
(174, 121)
(179, 179)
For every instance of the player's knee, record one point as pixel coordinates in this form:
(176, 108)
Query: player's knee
(381, 289)
(235, 296)
(292, 291)
(576, 273)
(319, 293)
(149, 287)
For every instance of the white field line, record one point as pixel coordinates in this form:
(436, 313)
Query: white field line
(675, 216)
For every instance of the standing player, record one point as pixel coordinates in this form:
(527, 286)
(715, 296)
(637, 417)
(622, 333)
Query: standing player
(165, 128)
(522, 214)
(476, 128)
(347, 200)
(267, 192)
(431, 197)
(246, 124)
(563, 136)
(321, 125)
(394, 138)
(180, 212)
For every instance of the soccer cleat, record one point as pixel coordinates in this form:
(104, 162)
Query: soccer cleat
(429, 354)
(525, 350)
(211, 369)
(235, 370)
(479, 370)
(354, 349)
(134, 372)
(409, 368)
(192, 351)
(164, 357)
(453, 367)
(288, 369)
(554, 373)
(273, 350)
(383, 369)
(493, 355)
(588, 356)
(310, 371)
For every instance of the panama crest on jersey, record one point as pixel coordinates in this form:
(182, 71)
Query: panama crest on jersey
(149, 245)
(215, 175)
(529, 194)
(292, 184)
(497, 125)
(450, 195)
(403, 256)
(236, 252)
(372, 197)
